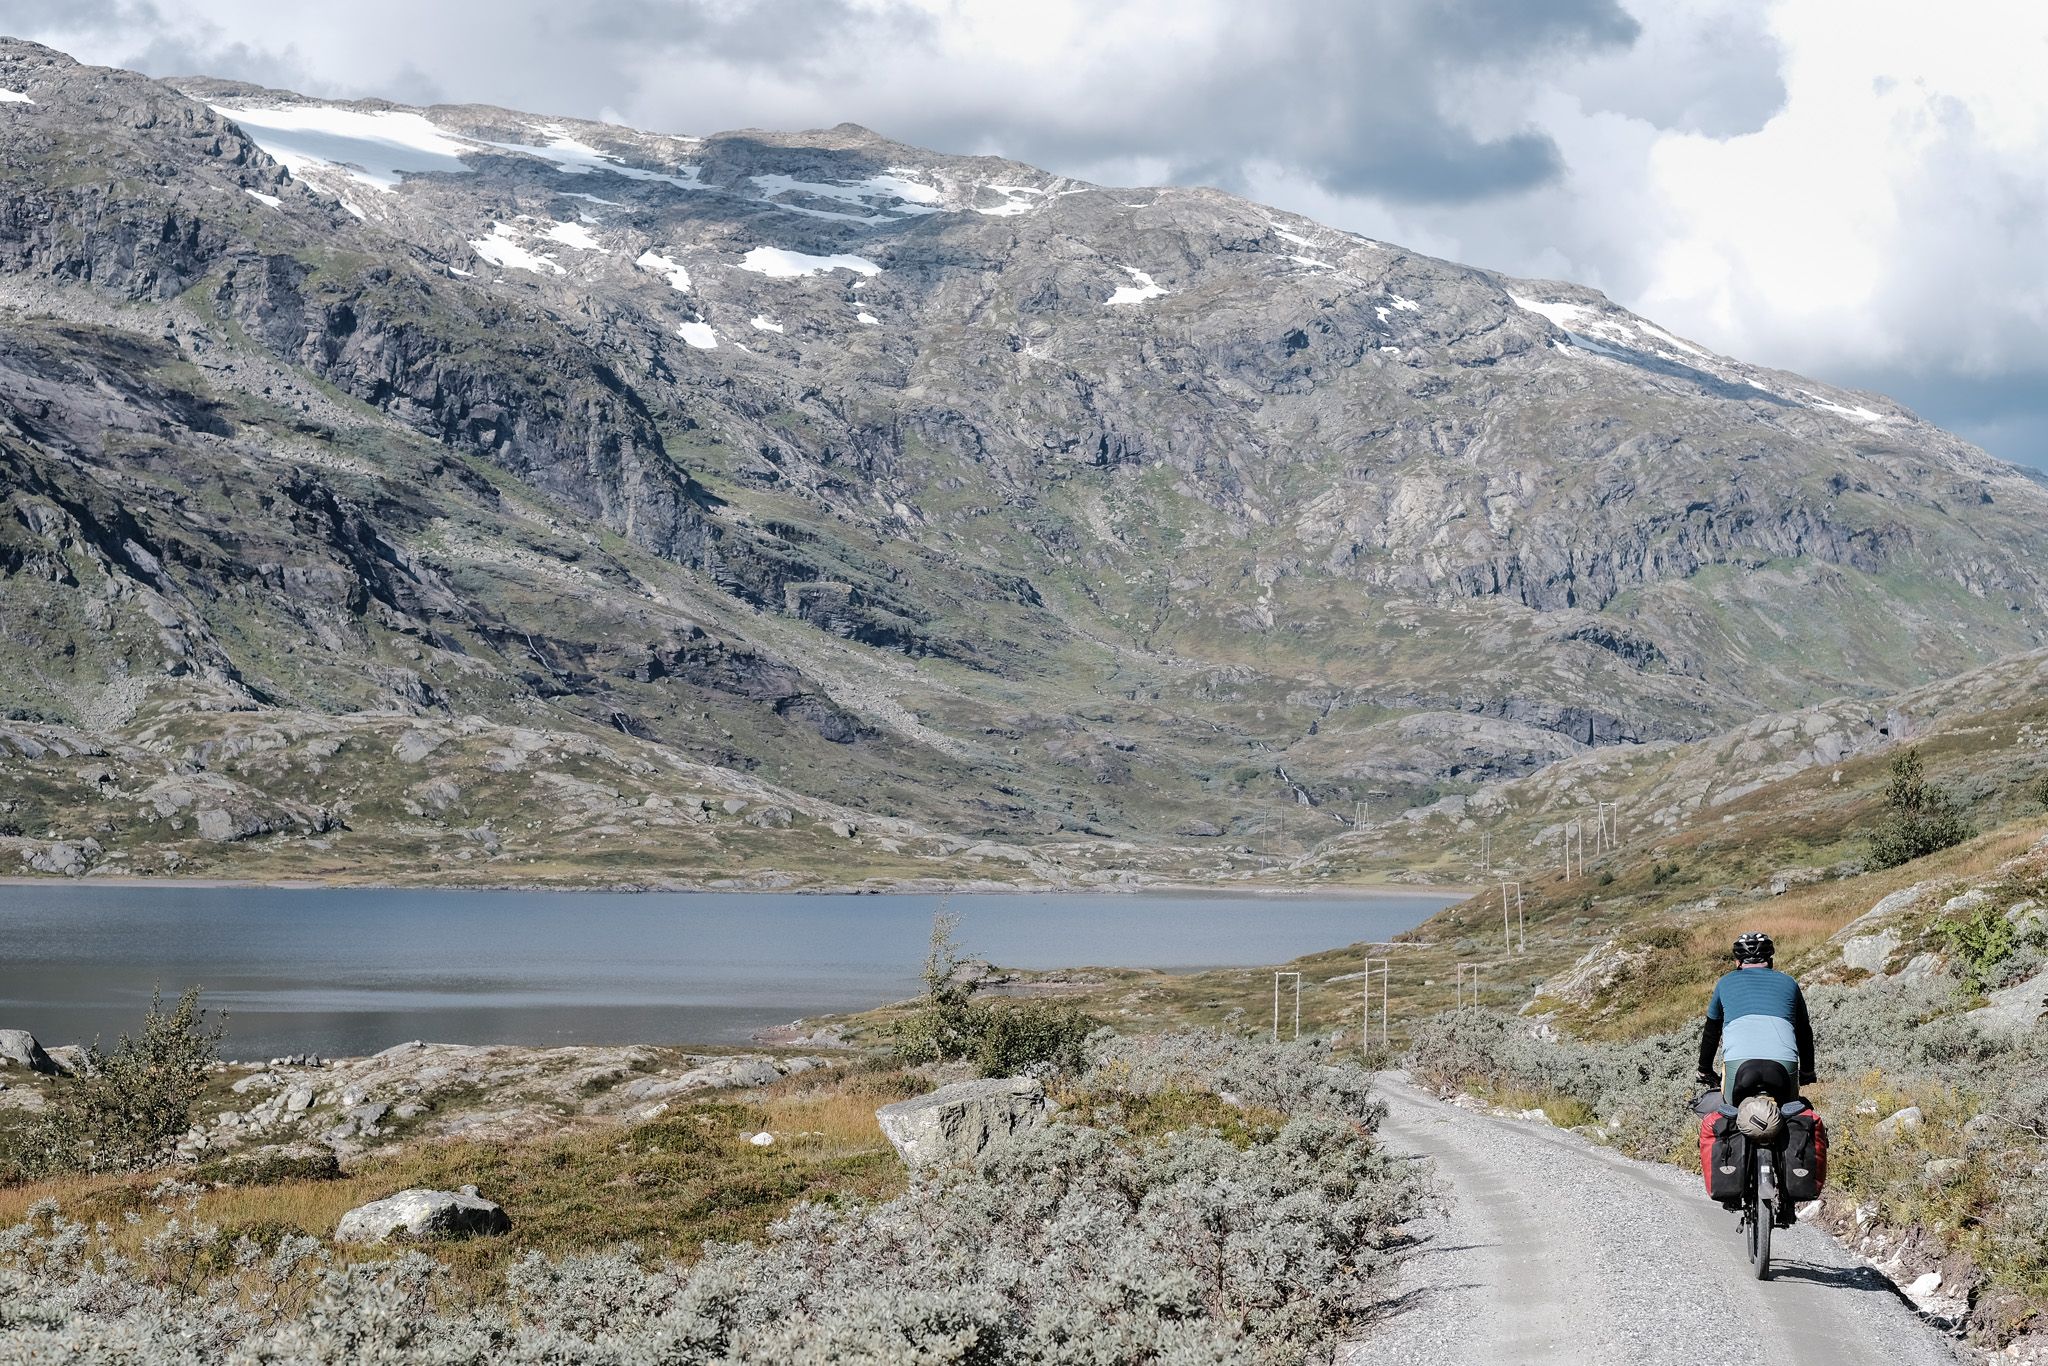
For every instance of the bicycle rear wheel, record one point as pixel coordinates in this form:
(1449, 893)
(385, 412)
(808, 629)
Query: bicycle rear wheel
(1763, 1216)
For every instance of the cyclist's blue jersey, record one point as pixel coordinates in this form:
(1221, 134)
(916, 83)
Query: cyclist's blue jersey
(1758, 1007)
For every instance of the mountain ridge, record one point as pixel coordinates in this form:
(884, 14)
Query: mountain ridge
(1013, 508)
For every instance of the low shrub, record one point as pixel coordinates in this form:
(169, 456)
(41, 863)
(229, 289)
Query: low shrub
(1979, 943)
(1018, 1036)
(1069, 1244)
(1290, 1078)
(1001, 1039)
(126, 1106)
(1919, 819)
(1634, 1094)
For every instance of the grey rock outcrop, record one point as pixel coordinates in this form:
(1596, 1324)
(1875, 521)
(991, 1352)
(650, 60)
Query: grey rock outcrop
(66, 858)
(956, 1123)
(720, 1075)
(18, 1048)
(2014, 1009)
(423, 1214)
(1870, 952)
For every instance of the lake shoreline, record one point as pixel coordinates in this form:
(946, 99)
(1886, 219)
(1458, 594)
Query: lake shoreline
(342, 971)
(938, 887)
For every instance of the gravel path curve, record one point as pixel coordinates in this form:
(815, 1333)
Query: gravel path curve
(1557, 1250)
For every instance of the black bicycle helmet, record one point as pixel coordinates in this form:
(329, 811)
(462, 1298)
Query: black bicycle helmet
(1755, 947)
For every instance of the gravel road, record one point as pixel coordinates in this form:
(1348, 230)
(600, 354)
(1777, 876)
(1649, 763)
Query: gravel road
(1557, 1250)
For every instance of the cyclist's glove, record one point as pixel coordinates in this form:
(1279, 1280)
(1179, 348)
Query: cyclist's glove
(1807, 1078)
(1707, 1079)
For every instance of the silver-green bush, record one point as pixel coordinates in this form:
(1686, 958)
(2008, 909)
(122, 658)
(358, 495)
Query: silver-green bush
(1068, 1245)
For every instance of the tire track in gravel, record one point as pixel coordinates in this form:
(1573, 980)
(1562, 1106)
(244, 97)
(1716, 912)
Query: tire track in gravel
(1557, 1250)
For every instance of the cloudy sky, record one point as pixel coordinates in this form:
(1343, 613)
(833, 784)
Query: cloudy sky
(1856, 189)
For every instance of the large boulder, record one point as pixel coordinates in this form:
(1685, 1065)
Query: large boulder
(422, 1214)
(955, 1123)
(18, 1048)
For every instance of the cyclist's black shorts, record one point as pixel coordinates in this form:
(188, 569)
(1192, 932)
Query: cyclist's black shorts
(1762, 1077)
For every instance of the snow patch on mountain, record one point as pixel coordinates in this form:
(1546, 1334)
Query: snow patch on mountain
(678, 277)
(698, 335)
(500, 249)
(14, 97)
(1016, 199)
(1405, 305)
(778, 264)
(1145, 289)
(1857, 413)
(378, 147)
(883, 196)
(763, 323)
(272, 200)
(574, 235)
(1557, 310)
(1592, 330)
(868, 318)
(1626, 338)
(575, 157)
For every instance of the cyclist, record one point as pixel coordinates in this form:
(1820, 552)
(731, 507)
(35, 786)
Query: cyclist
(1757, 1017)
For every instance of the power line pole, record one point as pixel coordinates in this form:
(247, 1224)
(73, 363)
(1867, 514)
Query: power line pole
(1384, 967)
(1276, 1004)
(1468, 972)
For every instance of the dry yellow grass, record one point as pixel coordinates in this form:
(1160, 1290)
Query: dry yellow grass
(666, 1185)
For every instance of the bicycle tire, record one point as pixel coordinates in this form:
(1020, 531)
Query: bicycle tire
(1763, 1216)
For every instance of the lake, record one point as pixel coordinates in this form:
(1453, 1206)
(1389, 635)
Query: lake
(344, 971)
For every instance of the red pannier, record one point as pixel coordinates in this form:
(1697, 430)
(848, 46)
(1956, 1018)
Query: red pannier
(1721, 1156)
(1803, 1168)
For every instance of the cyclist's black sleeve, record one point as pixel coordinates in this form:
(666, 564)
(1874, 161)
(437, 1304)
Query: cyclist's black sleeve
(1802, 1034)
(1710, 1039)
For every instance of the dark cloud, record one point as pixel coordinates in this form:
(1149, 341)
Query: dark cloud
(1359, 98)
(2006, 414)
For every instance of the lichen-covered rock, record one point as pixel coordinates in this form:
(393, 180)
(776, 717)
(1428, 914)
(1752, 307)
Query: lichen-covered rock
(2014, 1009)
(421, 1213)
(722, 1074)
(18, 1048)
(66, 858)
(1870, 952)
(954, 1124)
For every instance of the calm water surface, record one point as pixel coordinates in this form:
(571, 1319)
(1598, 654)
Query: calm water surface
(346, 971)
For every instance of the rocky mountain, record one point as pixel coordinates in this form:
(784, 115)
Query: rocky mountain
(874, 486)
